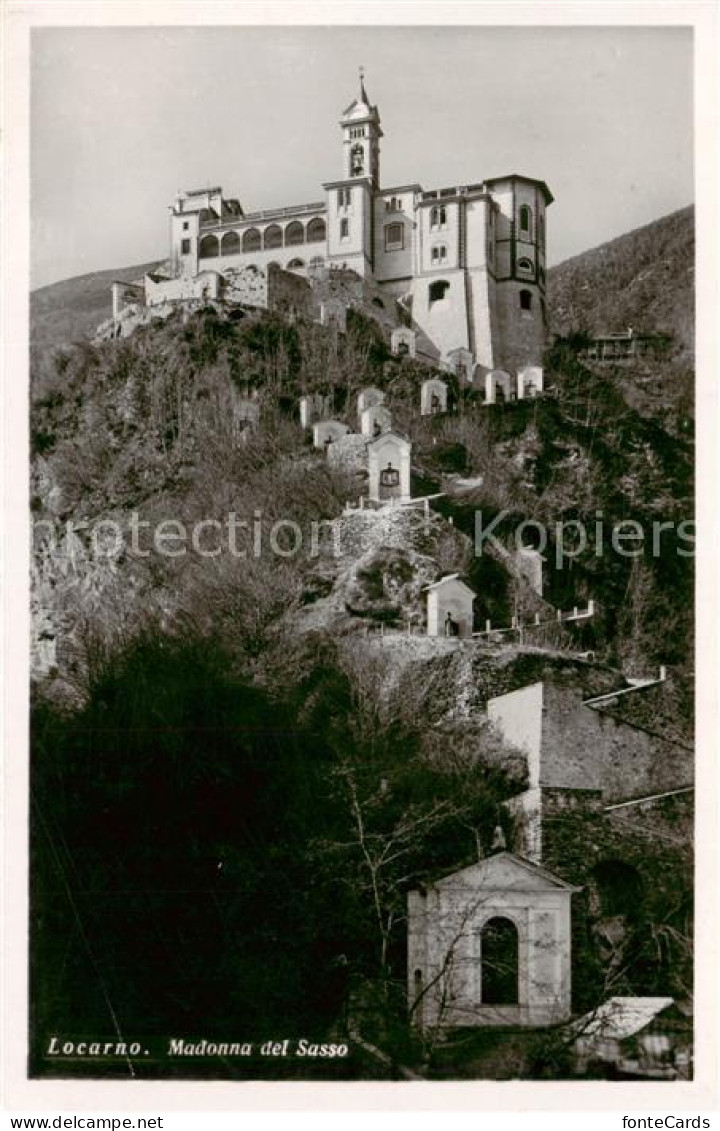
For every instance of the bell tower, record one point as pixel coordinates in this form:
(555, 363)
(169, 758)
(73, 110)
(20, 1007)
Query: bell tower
(351, 200)
(361, 139)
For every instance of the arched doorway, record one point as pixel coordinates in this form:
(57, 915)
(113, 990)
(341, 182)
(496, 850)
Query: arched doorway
(499, 963)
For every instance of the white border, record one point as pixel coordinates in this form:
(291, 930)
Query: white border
(173, 1096)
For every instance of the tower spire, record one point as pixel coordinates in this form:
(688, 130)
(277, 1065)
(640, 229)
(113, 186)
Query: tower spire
(363, 93)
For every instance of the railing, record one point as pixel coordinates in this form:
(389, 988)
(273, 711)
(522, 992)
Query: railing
(636, 685)
(559, 618)
(456, 190)
(267, 214)
(516, 626)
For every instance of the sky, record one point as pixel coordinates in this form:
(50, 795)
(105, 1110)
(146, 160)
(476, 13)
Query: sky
(122, 118)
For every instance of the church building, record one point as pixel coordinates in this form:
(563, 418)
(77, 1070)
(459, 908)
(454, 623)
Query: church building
(467, 261)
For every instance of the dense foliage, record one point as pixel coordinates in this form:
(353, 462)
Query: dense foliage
(228, 813)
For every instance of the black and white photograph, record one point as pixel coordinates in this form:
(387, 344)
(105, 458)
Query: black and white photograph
(362, 473)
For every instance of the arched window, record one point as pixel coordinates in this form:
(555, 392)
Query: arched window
(209, 247)
(499, 962)
(294, 234)
(273, 236)
(439, 254)
(525, 218)
(525, 300)
(525, 264)
(251, 240)
(357, 161)
(438, 216)
(294, 264)
(316, 230)
(230, 244)
(437, 290)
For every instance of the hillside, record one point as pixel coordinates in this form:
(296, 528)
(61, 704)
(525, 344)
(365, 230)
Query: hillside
(643, 279)
(267, 735)
(64, 312)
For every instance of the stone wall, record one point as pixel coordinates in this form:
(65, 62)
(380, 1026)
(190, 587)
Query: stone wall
(652, 842)
(289, 293)
(571, 746)
(205, 285)
(521, 334)
(246, 285)
(586, 748)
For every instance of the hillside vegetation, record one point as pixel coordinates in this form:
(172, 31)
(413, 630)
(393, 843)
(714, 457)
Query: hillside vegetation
(644, 280)
(69, 311)
(233, 733)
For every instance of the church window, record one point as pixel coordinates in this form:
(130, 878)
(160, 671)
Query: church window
(525, 264)
(525, 300)
(393, 237)
(294, 264)
(294, 234)
(437, 290)
(316, 230)
(186, 225)
(438, 216)
(252, 240)
(209, 247)
(230, 244)
(273, 236)
(344, 198)
(344, 229)
(499, 962)
(525, 218)
(439, 253)
(185, 247)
